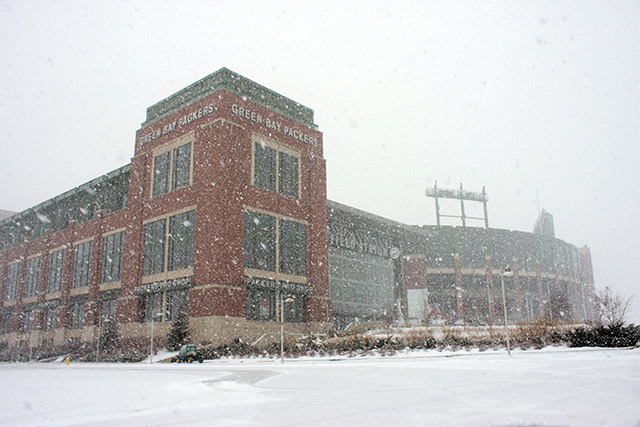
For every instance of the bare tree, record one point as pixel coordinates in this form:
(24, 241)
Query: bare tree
(611, 308)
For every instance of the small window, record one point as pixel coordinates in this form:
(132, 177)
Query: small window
(27, 325)
(13, 273)
(52, 319)
(77, 316)
(108, 310)
(260, 304)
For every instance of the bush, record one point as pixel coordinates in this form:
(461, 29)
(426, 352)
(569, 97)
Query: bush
(614, 335)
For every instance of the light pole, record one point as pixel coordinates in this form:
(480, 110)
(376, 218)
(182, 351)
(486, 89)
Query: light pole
(506, 272)
(153, 316)
(282, 301)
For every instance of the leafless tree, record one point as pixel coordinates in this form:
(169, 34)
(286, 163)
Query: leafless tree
(611, 308)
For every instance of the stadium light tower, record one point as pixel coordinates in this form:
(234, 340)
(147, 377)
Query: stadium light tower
(506, 272)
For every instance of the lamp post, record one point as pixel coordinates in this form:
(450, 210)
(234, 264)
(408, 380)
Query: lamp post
(506, 272)
(282, 301)
(153, 316)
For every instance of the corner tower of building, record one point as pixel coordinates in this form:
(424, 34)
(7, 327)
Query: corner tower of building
(243, 167)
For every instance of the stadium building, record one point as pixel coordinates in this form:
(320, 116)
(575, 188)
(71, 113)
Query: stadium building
(222, 213)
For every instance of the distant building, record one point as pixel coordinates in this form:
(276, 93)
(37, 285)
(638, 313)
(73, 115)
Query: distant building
(222, 213)
(544, 225)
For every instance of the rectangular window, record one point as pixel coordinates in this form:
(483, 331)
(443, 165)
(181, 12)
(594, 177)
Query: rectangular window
(154, 239)
(293, 248)
(176, 244)
(181, 171)
(288, 175)
(82, 265)
(294, 308)
(108, 310)
(265, 167)
(181, 241)
(263, 238)
(33, 276)
(6, 322)
(276, 167)
(164, 306)
(260, 304)
(52, 319)
(56, 265)
(172, 170)
(161, 174)
(152, 307)
(176, 301)
(13, 273)
(27, 318)
(259, 241)
(112, 257)
(77, 315)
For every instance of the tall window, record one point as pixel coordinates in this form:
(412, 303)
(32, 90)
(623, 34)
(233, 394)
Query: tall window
(52, 318)
(82, 265)
(77, 315)
(56, 265)
(180, 241)
(27, 325)
(288, 174)
(154, 243)
(172, 170)
(263, 239)
(276, 168)
(259, 241)
(293, 248)
(112, 257)
(33, 276)
(6, 322)
(13, 272)
(108, 310)
(171, 239)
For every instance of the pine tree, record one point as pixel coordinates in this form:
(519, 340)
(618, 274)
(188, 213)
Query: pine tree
(179, 333)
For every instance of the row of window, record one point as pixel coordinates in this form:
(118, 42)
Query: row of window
(168, 246)
(111, 268)
(276, 168)
(76, 317)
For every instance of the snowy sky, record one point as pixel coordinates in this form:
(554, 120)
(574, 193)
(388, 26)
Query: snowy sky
(539, 101)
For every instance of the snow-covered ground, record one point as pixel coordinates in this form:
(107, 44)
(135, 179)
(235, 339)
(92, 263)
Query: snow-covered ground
(549, 387)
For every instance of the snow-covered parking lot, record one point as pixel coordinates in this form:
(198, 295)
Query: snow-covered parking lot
(549, 387)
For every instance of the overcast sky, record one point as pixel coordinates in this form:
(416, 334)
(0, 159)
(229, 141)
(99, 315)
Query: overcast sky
(538, 101)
